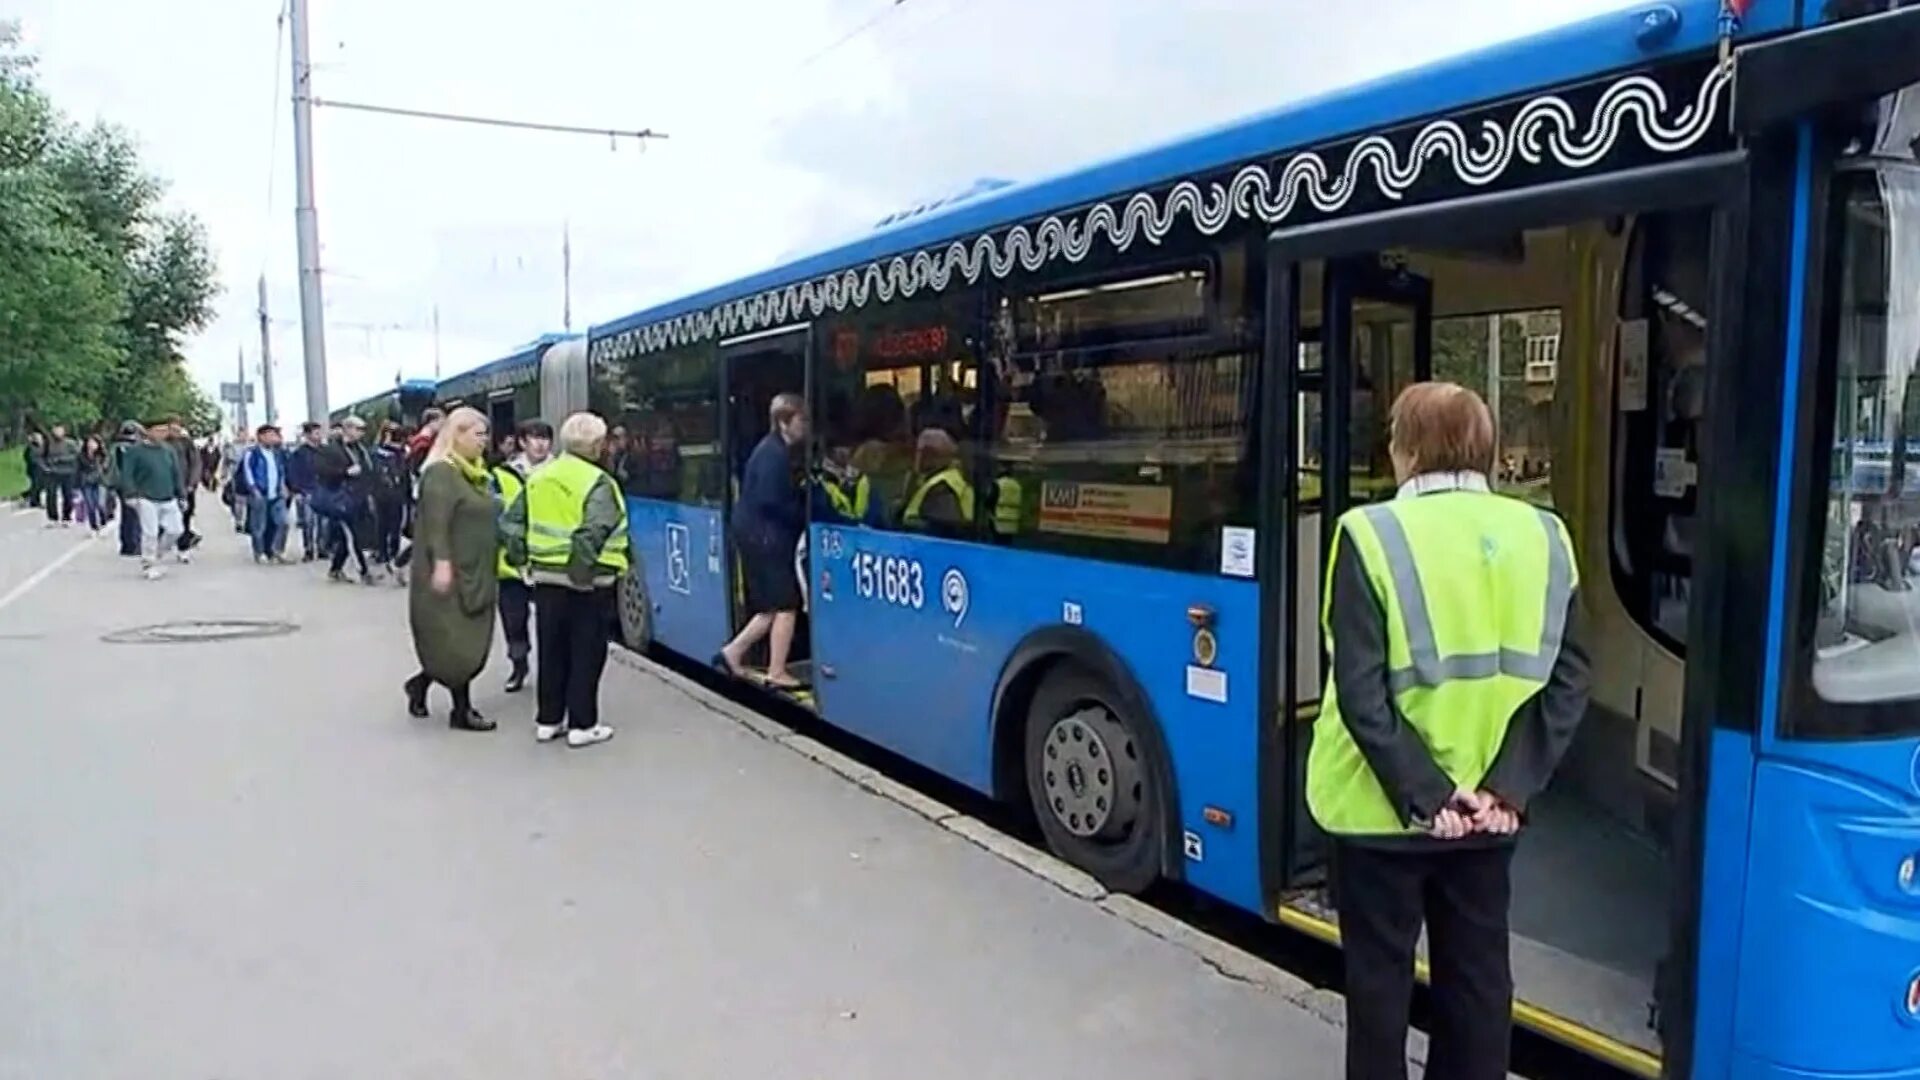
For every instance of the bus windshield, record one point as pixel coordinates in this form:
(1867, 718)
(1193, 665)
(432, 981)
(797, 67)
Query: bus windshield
(1867, 649)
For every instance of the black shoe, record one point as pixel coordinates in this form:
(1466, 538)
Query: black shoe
(517, 681)
(308, 557)
(471, 720)
(416, 689)
(337, 575)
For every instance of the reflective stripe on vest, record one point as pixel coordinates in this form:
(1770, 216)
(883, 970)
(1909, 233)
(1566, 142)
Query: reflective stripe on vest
(507, 487)
(950, 478)
(855, 508)
(1006, 507)
(1469, 642)
(557, 507)
(1428, 668)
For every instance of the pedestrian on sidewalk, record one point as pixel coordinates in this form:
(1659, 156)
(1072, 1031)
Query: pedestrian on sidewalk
(187, 456)
(36, 449)
(345, 469)
(303, 482)
(569, 528)
(450, 605)
(131, 433)
(392, 492)
(1421, 770)
(60, 476)
(516, 592)
(92, 481)
(261, 479)
(155, 488)
(231, 481)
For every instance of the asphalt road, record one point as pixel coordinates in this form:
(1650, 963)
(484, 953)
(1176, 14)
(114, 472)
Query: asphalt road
(241, 859)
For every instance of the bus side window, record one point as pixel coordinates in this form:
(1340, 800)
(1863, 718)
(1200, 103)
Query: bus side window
(669, 413)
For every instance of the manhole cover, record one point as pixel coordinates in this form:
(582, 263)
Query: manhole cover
(197, 632)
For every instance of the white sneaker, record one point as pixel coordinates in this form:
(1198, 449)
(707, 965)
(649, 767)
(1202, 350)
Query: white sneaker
(578, 738)
(548, 732)
(185, 557)
(153, 573)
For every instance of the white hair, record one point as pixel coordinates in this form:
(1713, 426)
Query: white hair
(583, 434)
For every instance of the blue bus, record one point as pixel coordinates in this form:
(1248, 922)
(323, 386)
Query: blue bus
(401, 405)
(517, 387)
(1676, 249)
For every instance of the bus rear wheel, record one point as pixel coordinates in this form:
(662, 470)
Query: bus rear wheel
(636, 610)
(1091, 781)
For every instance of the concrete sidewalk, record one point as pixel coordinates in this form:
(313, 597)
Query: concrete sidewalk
(242, 860)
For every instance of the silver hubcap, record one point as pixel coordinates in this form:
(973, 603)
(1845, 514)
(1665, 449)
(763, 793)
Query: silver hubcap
(1090, 771)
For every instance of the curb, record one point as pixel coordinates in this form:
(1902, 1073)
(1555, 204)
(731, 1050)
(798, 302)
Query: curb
(1226, 960)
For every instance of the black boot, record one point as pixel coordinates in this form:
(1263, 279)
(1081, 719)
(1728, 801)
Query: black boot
(416, 688)
(464, 716)
(517, 681)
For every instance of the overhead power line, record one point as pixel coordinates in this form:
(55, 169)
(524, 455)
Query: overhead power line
(640, 134)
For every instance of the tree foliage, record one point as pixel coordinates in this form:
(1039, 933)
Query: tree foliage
(98, 283)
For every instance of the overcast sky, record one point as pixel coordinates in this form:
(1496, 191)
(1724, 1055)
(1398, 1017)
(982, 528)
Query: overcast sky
(789, 125)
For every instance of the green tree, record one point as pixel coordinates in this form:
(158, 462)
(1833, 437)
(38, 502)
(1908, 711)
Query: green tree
(98, 284)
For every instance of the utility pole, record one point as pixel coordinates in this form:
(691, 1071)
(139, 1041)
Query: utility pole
(566, 277)
(306, 219)
(266, 357)
(240, 369)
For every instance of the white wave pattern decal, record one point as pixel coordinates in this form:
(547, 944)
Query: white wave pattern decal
(1544, 128)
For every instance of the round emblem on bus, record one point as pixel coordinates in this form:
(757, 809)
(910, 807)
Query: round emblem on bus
(953, 595)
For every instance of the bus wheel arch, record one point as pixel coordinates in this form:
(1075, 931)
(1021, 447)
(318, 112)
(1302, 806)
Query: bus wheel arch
(1071, 671)
(635, 606)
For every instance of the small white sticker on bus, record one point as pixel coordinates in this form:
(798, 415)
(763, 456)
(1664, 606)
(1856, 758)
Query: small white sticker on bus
(1207, 684)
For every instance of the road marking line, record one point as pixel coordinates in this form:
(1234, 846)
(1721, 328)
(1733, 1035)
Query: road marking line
(43, 573)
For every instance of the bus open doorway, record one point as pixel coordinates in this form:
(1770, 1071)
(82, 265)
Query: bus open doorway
(756, 371)
(1588, 339)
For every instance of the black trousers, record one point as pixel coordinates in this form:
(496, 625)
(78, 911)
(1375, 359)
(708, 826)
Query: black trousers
(59, 493)
(573, 652)
(1462, 894)
(516, 606)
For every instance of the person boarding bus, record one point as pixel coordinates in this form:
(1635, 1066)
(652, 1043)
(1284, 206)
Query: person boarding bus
(1458, 680)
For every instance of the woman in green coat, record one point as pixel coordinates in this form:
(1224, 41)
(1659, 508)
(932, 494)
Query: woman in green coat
(455, 584)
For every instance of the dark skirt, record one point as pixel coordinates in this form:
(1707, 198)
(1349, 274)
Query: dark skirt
(766, 556)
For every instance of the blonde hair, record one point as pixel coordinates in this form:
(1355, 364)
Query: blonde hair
(463, 421)
(583, 434)
(1443, 427)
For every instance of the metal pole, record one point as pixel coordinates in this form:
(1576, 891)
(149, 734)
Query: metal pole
(1493, 373)
(266, 358)
(566, 277)
(240, 407)
(306, 220)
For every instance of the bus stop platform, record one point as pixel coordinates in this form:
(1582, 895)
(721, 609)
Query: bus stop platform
(227, 853)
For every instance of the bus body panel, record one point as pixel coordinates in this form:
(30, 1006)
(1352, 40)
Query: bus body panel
(680, 549)
(916, 632)
(1832, 927)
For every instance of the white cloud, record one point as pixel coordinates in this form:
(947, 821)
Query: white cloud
(777, 141)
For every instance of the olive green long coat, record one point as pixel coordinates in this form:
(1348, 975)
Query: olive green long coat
(456, 520)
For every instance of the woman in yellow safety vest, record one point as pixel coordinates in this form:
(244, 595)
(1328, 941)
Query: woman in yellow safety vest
(1457, 683)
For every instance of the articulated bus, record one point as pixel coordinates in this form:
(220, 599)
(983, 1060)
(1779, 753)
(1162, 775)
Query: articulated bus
(401, 405)
(516, 387)
(1678, 249)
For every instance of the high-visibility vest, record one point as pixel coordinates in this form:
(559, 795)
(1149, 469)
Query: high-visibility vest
(557, 507)
(951, 478)
(852, 507)
(507, 486)
(1006, 507)
(1475, 588)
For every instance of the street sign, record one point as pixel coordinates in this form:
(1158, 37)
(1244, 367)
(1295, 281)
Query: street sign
(236, 393)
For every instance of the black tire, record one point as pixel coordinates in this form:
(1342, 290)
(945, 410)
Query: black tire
(636, 609)
(1093, 780)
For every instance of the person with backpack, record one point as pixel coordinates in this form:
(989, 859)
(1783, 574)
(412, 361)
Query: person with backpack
(392, 497)
(345, 472)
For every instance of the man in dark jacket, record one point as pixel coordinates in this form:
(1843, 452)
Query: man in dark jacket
(304, 482)
(130, 433)
(187, 456)
(60, 476)
(345, 472)
(154, 486)
(36, 476)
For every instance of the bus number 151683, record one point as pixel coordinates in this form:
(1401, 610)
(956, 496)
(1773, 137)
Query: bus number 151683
(890, 578)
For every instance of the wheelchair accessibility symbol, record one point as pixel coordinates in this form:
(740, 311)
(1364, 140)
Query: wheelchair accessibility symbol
(679, 578)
